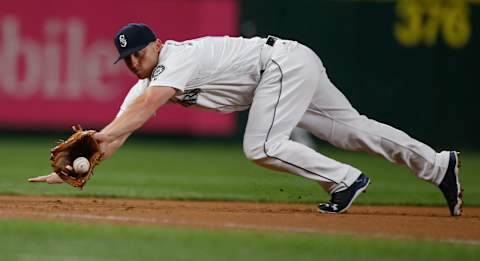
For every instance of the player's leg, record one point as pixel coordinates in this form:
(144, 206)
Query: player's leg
(331, 117)
(280, 100)
(303, 136)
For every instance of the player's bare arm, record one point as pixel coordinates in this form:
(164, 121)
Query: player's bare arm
(109, 149)
(137, 113)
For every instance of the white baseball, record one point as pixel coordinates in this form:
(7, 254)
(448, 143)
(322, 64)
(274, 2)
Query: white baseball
(81, 165)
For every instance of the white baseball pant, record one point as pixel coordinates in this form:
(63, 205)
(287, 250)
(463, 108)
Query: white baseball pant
(295, 90)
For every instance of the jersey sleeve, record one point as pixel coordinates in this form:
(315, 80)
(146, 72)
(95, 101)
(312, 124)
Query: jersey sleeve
(136, 90)
(177, 69)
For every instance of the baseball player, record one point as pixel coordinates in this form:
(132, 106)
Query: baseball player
(284, 84)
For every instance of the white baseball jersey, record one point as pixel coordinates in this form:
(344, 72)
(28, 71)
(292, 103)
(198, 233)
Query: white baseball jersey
(218, 73)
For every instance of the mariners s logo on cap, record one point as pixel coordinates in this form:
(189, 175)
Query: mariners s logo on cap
(122, 40)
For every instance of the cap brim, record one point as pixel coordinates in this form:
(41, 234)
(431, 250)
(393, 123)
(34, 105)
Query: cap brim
(128, 52)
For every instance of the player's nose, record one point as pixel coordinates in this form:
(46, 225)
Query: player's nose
(134, 61)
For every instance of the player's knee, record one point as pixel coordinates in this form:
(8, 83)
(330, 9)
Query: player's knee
(261, 154)
(263, 162)
(269, 163)
(253, 151)
(261, 159)
(258, 151)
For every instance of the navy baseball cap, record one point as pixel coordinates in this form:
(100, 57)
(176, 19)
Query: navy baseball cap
(132, 38)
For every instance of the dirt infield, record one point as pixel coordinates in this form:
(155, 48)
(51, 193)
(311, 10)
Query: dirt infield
(378, 221)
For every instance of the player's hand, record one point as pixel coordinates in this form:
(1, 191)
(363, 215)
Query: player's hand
(107, 149)
(103, 138)
(105, 143)
(51, 178)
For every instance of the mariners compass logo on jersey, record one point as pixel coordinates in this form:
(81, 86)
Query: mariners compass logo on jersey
(123, 40)
(157, 71)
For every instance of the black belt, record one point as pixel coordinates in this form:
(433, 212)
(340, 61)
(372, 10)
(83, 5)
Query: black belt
(271, 40)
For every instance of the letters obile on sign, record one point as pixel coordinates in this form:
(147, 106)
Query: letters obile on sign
(57, 58)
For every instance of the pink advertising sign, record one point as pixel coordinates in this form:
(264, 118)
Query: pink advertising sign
(56, 61)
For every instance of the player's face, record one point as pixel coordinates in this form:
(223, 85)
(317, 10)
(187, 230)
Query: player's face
(142, 62)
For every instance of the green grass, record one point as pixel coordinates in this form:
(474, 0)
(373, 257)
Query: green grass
(202, 170)
(22, 240)
(199, 170)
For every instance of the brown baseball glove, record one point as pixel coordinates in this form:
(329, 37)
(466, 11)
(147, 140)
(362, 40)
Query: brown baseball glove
(79, 144)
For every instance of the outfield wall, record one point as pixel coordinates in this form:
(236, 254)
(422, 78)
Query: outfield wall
(414, 64)
(56, 61)
(411, 64)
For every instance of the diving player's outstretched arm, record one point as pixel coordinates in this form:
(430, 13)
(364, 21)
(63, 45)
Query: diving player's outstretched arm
(136, 114)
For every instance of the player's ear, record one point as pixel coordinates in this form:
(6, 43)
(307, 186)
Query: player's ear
(158, 44)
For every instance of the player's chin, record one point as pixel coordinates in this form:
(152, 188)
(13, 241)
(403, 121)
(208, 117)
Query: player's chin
(141, 75)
